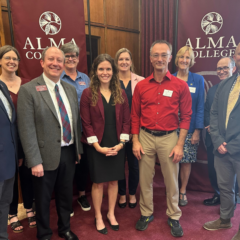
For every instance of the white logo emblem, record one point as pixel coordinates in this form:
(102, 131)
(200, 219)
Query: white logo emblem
(212, 23)
(50, 23)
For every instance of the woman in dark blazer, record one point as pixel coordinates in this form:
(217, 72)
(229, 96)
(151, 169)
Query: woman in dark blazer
(185, 60)
(106, 125)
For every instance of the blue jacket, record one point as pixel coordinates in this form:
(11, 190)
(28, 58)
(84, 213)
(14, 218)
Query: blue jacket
(196, 87)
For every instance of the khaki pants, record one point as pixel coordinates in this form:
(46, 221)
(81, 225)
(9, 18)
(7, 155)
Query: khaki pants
(159, 147)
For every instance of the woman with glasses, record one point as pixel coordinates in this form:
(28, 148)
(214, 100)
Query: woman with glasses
(128, 80)
(80, 81)
(185, 60)
(9, 61)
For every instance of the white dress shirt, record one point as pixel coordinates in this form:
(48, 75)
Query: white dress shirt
(6, 105)
(51, 88)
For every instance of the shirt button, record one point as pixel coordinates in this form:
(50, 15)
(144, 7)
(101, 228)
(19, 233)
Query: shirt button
(157, 112)
(159, 93)
(159, 103)
(156, 123)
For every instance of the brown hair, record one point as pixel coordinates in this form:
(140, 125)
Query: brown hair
(123, 50)
(114, 86)
(7, 48)
(182, 51)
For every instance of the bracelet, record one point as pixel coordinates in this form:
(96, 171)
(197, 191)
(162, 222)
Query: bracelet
(123, 143)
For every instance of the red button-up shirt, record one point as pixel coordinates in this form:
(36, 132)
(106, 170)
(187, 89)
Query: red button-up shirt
(155, 108)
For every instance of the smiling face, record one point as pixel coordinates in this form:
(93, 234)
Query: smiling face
(124, 62)
(71, 61)
(224, 68)
(53, 64)
(184, 61)
(9, 62)
(104, 72)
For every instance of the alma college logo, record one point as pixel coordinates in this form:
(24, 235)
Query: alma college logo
(212, 23)
(50, 23)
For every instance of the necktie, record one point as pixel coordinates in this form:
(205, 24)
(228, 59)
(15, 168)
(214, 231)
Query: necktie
(64, 117)
(232, 99)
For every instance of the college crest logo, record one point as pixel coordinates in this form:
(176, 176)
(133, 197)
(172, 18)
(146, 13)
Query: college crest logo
(50, 23)
(212, 23)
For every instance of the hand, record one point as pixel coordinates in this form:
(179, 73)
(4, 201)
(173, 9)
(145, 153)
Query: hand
(208, 128)
(107, 151)
(20, 162)
(177, 152)
(118, 147)
(79, 158)
(222, 149)
(137, 149)
(38, 171)
(195, 137)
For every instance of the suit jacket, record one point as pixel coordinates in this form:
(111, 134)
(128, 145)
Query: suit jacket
(134, 80)
(218, 132)
(39, 127)
(93, 120)
(8, 138)
(207, 109)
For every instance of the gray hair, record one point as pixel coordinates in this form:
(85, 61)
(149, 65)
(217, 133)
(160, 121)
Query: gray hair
(70, 48)
(232, 62)
(45, 50)
(161, 42)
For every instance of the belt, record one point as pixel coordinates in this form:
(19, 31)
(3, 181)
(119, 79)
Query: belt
(157, 133)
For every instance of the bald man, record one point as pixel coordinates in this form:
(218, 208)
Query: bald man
(225, 134)
(50, 132)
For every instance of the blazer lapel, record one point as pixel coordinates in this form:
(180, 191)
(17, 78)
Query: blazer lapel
(117, 110)
(100, 104)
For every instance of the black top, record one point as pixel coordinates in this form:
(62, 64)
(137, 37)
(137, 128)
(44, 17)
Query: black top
(128, 91)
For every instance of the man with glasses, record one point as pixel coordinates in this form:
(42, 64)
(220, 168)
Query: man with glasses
(225, 134)
(158, 103)
(225, 69)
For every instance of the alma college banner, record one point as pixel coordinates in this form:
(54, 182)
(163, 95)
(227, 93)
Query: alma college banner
(40, 24)
(211, 29)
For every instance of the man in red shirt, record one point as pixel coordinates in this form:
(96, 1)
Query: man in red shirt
(161, 104)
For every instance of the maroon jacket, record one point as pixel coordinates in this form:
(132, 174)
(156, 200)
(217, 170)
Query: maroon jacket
(93, 118)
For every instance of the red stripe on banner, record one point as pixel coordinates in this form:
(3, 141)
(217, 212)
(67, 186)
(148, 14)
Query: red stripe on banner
(38, 24)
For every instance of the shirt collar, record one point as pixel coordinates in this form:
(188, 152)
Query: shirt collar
(168, 76)
(50, 84)
(79, 75)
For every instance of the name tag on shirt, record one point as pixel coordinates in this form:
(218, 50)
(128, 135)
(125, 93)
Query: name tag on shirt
(41, 88)
(82, 83)
(192, 89)
(167, 93)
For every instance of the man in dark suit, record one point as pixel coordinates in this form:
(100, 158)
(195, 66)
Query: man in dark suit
(50, 132)
(225, 69)
(8, 156)
(225, 134)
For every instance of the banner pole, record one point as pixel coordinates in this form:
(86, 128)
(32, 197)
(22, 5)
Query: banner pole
(89, 31)
(10, 22)
(176, 35)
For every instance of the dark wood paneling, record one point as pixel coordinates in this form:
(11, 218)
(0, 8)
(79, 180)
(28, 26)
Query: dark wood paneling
(7, 33)
(96, 11)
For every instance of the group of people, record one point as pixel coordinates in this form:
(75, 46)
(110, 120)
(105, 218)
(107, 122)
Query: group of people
(68, 125)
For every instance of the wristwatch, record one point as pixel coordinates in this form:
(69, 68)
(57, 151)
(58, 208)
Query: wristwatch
(123, 143)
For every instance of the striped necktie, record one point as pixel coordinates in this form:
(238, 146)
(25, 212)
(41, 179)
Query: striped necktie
(232, 99)
(64, 117)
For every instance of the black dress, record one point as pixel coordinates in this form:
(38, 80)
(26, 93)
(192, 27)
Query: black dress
(101, 167)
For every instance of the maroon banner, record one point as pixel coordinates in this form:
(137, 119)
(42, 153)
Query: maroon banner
(211, 29)
(40, 24)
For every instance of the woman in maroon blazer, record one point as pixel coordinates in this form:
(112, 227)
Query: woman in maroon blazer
(106, 125)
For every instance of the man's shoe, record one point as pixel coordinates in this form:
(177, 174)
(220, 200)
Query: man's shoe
(143, 222)
(68, 236)
(176, 228)
(182, 202)
(215, 200)
(237, 236)
(217, 224)
(83, 202)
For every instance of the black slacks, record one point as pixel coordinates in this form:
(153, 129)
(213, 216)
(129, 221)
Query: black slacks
(60, 181)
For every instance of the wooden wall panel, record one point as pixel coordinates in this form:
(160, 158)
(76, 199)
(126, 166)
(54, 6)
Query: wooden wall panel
(6, 28)
(119, 39)
(123, 13)
(96, 11)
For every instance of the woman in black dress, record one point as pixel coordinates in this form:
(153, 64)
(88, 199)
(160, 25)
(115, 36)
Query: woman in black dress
(106, 125)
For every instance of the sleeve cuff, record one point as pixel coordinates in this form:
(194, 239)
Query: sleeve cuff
(184, 125)
(92, 139)
(124, 136)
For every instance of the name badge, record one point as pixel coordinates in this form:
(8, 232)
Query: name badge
(41, 88)
(192, 89)
(82, 83)
(167, 93)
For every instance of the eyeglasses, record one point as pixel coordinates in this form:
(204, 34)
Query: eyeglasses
(219, 69)
(156, 56)
(71, 56)
(14, 59)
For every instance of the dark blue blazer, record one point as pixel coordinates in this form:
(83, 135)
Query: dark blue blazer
(8, 138)
(196, 81)
(207, 110)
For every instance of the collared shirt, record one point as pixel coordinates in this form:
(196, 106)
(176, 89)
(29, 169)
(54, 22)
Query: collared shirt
(156, 106)
(51, 88)
(6, 105)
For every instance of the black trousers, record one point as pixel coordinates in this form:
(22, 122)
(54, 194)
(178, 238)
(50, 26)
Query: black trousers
(82, 170)
(133, 178)
(27, 190)
(60, 181)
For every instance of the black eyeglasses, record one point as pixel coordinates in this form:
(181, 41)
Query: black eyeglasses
(14, 59)
(71, 56)
(219, 69)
